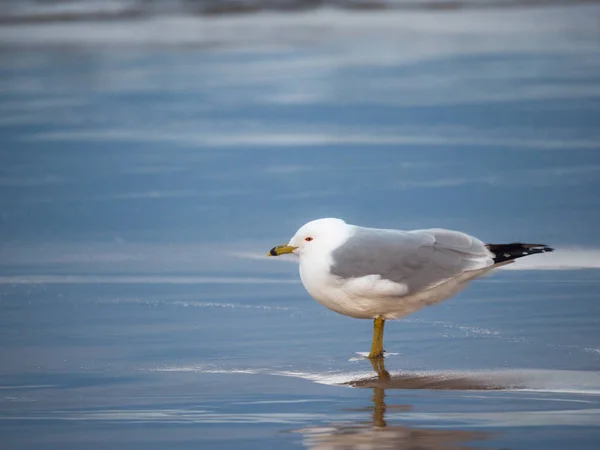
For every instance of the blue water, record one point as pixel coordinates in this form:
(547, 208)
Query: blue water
(141, 186)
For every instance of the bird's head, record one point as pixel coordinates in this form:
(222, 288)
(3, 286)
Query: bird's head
(318, 235)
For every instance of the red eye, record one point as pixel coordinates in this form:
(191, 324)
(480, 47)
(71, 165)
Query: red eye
(308, 239)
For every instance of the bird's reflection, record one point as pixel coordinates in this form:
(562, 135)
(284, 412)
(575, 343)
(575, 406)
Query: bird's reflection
(377, 434)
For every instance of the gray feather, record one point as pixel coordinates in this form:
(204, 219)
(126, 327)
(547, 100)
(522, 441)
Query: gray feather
(419, 259)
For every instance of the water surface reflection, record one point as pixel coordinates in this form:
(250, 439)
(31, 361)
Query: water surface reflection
(376, 433)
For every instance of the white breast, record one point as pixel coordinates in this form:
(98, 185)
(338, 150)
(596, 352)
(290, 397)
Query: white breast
(330, 291)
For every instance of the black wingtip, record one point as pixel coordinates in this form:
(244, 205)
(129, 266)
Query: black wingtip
(508, 252)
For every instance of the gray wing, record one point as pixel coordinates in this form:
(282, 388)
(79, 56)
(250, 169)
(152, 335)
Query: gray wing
(418, 259)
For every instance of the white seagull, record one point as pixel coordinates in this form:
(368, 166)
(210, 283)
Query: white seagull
(379, 274)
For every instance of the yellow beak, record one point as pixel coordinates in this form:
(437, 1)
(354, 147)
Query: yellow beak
(281, 250)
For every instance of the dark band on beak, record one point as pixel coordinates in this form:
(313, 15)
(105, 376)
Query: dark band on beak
(281, 250)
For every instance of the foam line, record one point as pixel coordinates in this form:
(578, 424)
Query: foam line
(561, 259)
(547, 381)
(136, 279)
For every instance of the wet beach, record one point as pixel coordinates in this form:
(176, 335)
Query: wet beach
(148, 165)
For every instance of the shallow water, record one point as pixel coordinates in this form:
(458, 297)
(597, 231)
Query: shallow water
(147, 167)
(160, 366)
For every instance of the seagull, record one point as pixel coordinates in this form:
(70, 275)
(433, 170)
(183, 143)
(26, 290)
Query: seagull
(381, 274)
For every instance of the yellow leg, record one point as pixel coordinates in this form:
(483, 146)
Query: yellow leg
(377, 345)
(379, 368)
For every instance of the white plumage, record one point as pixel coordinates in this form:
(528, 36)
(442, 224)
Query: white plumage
(367, 272)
